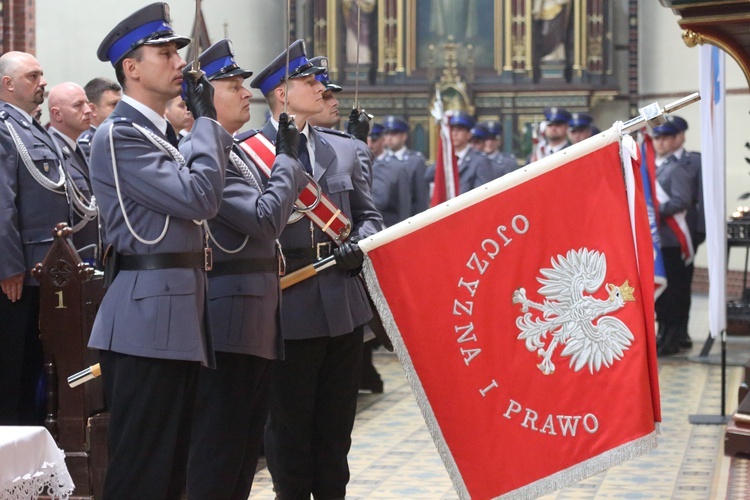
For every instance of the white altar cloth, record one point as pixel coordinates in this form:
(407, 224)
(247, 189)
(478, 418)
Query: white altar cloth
(30, 463)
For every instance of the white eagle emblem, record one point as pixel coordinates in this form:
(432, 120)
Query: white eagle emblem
(572, 319)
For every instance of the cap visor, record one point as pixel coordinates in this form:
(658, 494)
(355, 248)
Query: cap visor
(180, 40)
(312, 70)
(244, 73)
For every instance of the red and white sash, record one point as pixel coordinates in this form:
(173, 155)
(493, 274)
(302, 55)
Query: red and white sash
(326, 215)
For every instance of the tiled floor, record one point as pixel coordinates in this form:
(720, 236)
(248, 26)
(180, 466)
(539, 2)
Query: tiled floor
(393, 456)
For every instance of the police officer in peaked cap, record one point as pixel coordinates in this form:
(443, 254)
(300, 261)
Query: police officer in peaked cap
(675, 175)
(327, 121)
(474, 168)
(504, 163)
(232, 403)
(151, 328)
(314, 389)
(555, 131)
(580, 127)
(396, 133)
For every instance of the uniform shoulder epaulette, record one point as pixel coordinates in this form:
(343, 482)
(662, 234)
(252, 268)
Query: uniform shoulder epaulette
(334, 132)
(4, 115)
(122, 120)
(243, 136)
(84, 139)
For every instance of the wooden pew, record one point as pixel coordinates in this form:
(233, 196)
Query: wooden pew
(70, 294)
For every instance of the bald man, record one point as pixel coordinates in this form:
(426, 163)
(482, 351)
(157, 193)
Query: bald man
(30, 206)
(70, 115)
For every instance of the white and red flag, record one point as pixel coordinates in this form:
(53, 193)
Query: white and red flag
(446, 184)
(522, 313)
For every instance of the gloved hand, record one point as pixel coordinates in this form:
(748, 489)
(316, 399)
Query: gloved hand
(199, 95)
(287, 138)
(359, 124)
(349, 256)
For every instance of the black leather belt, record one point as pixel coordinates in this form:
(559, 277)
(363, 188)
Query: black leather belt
(143, 262)
(244, 266)
(297, 258)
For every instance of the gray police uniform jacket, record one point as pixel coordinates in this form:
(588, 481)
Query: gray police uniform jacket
(675, 178)
(78, 170)
(331, 303)
(474, 170)
(391, 190)
(84, 141)
(366, 158)
(419, 190)
(503, 163)
(28, 211)
(157, 313)
(244, 308)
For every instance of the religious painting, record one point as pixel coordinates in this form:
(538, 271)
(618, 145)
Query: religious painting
(468, 23)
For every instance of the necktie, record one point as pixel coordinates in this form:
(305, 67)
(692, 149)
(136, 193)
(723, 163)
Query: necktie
(304, 154)
(171, 136)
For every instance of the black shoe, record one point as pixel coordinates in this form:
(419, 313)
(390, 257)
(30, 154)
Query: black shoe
(374, 386)
(667, 350)
(686, 343)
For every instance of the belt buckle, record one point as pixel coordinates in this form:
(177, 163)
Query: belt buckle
(208, 259)
(325, 245)
(282, 264)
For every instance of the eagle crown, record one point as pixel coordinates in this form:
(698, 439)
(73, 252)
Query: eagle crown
(622, 293)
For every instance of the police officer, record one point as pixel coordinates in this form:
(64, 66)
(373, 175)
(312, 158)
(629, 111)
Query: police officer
(505, 163)
(474, 169)
(314, 390)
(151, 326)
(396, 133)
(479, 134)
(391, 182)
(103, 95)
(376, 142)
(327, 121)
(675, 179)
(555, 131)
(696, 218)
(32, 200)
(580, 127)
(243, 295)
(70, 116)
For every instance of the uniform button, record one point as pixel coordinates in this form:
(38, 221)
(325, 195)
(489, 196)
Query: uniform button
(238, 289)
(166, 288)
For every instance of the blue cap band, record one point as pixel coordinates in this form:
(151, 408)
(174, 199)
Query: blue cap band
(125, 44)
(322, 77)
(277, 76)
(214, 67)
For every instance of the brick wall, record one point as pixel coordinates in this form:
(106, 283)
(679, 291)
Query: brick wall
(18, 25)
(734, 282)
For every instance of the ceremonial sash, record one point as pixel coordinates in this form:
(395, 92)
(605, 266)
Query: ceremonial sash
(678, 224)
(325, 214)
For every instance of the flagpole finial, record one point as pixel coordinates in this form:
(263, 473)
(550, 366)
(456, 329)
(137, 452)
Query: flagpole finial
(653, 114)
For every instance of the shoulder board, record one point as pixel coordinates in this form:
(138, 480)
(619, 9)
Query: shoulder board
(118, 120)
(334, 132)
(86, 139)
(3, 115)
(418, 154)
(243, 136)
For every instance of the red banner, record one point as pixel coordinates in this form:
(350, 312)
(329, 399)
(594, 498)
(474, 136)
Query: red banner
(524, 321)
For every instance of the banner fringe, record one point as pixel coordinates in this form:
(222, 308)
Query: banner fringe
(389, 323)
(588, 468)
